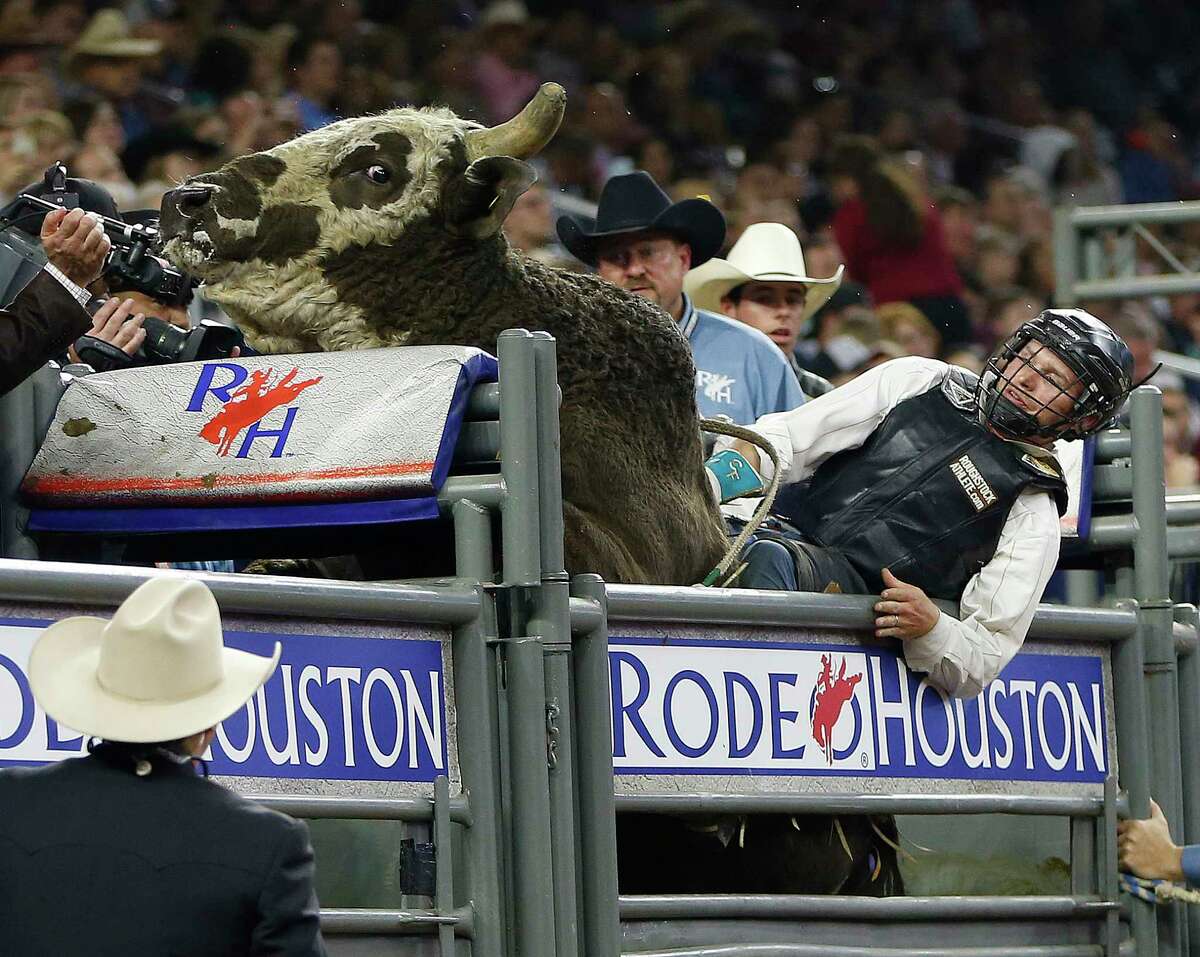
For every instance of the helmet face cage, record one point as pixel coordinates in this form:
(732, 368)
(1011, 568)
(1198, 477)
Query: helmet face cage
(1103, 385)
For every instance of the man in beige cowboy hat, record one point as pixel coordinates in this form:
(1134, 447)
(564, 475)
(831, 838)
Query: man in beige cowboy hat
(764, 284)
(109, 61)
(128, 850)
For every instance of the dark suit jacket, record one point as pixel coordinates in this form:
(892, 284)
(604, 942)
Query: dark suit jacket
(38, 325)
(97, 861)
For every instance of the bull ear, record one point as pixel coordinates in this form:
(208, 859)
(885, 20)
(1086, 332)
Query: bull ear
(477, 200)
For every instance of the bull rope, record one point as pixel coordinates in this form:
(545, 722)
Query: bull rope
(1158, 892)
(768, 499)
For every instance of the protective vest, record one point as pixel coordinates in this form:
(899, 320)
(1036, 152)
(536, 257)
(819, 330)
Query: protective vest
(926, 495)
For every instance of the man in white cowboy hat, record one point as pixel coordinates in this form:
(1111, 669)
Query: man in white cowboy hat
(646, 244)
(128, 850)
(764, 284)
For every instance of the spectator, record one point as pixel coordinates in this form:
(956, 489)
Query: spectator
(764, 284)
(644, 243)
(95, 123)
(162, 159)
(905, 324)
(109, 62)
(1137, 326)
(314, 68)
(504, 74)
(1007, 311)
(1086, 179)
(159, 859)
(26, 39)
(997, 261)
(1179, 433)
(529, 226)
(839, 331)
(893, 240)
(960, 220)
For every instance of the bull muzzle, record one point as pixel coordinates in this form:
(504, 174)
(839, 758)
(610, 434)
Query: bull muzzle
(188, 202)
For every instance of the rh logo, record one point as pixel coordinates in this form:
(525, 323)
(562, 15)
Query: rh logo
(244, 406)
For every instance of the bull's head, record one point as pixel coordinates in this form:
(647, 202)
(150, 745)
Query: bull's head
(271, 233)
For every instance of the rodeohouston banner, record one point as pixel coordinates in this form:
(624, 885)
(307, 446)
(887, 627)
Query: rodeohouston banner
(336, 708)
(791, 710)
(802, 710)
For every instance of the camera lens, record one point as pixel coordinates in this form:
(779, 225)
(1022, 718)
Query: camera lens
(163, 343)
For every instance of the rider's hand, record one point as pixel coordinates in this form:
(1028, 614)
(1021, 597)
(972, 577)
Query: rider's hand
(730, 475)
(905, 611)
(75, 244)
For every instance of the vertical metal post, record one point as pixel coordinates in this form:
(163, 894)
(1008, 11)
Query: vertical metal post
(1083, 588)
(1066, 258)
(527, 777)
(533, 882)
(597, 801)
(1189, 731)
(518, 458)
(551, 619)
(1083, 856)
(443, 899)
(1133, 757)
(1106, 860)
(1151, 576)
(478, 740)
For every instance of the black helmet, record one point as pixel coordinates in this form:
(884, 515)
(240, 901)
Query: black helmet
(1099, 358)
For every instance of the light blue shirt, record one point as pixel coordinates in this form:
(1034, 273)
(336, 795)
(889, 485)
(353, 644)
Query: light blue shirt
(740, 373)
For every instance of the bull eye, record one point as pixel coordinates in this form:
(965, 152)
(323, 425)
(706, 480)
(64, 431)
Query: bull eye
(378, 174)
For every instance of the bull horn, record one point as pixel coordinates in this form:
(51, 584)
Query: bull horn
(527, 132)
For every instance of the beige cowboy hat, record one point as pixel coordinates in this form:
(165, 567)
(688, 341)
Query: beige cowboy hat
(157, 671)
(765, 252)
(107, 34)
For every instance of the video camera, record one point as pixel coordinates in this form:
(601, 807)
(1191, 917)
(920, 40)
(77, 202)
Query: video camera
(131, 265)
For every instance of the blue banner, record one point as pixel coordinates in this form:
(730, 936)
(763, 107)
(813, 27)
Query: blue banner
(719, 707)
(337, 707)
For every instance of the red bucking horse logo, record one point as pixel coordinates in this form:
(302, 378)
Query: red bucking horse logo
(248, 405)
(830, 697)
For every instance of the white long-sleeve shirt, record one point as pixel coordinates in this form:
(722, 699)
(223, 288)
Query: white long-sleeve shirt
(959, 655)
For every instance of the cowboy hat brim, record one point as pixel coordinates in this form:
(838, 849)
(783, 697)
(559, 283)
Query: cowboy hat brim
(695, 221)
(125, 48)
(63, 675)
(708, 284)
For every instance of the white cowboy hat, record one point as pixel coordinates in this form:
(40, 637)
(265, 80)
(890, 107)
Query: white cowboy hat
(765, 252)
(158, 671)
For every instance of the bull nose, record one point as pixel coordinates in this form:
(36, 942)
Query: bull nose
(188, 201)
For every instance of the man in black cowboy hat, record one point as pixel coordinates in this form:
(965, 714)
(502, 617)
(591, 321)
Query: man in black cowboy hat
(646, 244)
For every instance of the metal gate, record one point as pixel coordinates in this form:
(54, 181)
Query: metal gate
(521, 822)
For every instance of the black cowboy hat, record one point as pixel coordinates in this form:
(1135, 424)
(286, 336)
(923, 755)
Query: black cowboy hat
(634, 203)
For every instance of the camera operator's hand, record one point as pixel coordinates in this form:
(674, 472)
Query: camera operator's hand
(75, 244)
(112, 324)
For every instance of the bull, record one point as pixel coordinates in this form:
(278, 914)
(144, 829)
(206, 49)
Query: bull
(385, 231)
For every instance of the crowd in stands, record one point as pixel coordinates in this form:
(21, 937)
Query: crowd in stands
(924, 145)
